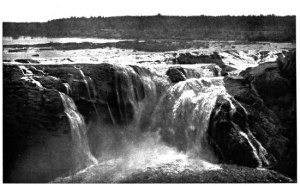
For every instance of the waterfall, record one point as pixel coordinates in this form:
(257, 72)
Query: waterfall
(182, 114)
(68, 88)
(82, 153)
(28, 76)
(143, 102)
(182, 117)
(88, 90)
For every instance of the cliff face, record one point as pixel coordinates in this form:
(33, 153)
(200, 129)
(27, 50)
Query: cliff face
(268, 92)
(36, 135)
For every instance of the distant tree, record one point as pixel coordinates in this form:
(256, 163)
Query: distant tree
(165, 27)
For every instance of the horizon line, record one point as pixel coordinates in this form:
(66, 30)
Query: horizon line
(152, 15)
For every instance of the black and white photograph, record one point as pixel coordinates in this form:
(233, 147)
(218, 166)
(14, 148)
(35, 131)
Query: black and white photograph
(148, 91)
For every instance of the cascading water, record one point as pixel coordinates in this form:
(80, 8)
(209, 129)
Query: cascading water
(82, 153)
(68, 88)
(128, 101)
(28, 76)
(152, 122)
(129, 149)
(182, 115)
(88, 90)
(174, 119)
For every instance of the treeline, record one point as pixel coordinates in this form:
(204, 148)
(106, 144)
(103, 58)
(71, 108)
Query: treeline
(245, 28)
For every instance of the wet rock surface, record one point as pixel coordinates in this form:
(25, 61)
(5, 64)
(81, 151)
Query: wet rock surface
(228, 174)
(268, 94)
(33, 120)
(177, 172)
(229, 132)
(176, 74)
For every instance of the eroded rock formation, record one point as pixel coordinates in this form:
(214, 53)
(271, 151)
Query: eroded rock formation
(268, 93)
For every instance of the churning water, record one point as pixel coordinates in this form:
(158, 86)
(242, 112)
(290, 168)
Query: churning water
(123, 150)
(82, 153)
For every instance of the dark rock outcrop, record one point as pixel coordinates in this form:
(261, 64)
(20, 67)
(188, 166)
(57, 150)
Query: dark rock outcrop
(217, 71)
(233, 140)
(263, 122)
(268, 93)
(189, 58)
(176, 74)
(215, 58)
(26, 61)
(36, 141)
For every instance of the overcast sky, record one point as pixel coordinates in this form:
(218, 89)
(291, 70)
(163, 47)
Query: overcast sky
(44, 10)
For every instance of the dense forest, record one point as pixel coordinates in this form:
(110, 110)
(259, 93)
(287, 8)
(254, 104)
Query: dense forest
(241, 28)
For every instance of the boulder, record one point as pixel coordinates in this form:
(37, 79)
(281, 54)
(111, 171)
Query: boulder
(176, 74)
(188, 58)
(26, 61)
(217, 71)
